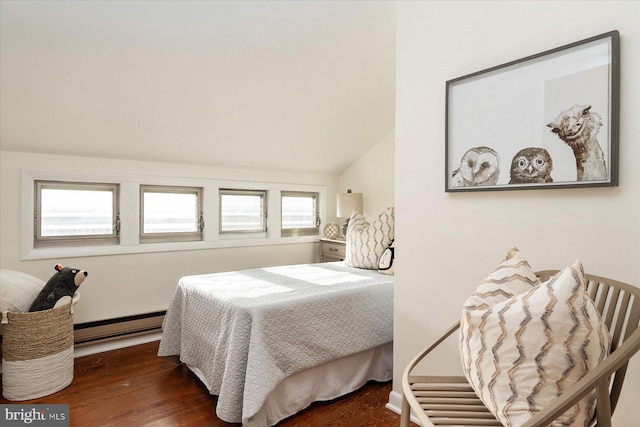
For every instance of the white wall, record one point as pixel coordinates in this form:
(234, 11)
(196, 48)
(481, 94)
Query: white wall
(124, 285)
(449, 241)
(373, 175)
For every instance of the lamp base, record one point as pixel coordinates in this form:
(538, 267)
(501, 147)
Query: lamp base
(344, 227)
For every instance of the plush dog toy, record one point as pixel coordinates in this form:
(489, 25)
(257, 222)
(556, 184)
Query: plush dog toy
(63, 284)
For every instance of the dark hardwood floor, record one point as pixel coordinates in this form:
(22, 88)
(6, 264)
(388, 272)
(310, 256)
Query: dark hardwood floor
(134, 387)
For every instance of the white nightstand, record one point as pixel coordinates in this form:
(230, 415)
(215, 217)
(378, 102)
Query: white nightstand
(332, 250)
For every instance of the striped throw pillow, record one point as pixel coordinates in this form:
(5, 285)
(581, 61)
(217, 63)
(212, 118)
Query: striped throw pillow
(366, 242)
(520, 352)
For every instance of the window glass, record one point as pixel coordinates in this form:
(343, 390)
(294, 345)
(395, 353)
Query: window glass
(242, 211)
(299, 213)
(67, 213)
(170, 213)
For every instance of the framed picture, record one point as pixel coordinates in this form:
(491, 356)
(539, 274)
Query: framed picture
(549, 120)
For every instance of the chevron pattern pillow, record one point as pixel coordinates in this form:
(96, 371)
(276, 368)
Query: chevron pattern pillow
(521, 351)
(511, 277)
(366, 242)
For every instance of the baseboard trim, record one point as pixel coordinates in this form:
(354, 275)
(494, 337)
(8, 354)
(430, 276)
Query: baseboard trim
(395, 405)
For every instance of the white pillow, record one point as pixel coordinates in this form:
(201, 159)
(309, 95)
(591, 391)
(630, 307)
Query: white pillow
(366, 242)
(18, 290)
(521, 352)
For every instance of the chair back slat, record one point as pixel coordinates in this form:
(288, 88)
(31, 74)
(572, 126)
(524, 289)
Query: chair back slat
(633, 320)
(631, 325)
(622, 312)
(611, 300)
(619, 306)
(596, 291)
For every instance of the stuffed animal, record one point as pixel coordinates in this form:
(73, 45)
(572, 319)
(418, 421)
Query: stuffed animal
(63, 284)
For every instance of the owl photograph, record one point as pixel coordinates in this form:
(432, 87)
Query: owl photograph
(479, 166)
(531, 165)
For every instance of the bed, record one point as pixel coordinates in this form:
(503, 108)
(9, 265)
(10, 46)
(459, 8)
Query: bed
(270, 341)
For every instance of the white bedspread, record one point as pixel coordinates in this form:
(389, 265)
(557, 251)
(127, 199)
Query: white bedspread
(245, 331)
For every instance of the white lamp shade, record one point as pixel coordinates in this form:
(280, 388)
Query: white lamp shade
(346, 203)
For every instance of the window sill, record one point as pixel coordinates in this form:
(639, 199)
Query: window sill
(87, 251)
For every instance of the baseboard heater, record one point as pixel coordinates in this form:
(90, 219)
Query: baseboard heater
(117, 328)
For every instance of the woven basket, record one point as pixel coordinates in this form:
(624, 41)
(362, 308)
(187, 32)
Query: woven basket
(37, 353)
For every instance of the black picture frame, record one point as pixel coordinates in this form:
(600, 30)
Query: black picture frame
(548, 120)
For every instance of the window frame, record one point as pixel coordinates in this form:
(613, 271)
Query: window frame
(40, 241)
(129, 212)
(301, 231)
(243, 192)
(178, 236)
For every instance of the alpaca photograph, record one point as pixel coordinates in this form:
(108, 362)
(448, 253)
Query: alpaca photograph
(578, 127)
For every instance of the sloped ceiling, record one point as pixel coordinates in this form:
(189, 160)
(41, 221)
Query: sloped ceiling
(293, 86)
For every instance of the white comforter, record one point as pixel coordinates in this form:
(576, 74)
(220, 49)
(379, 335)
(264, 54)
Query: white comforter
(245, 331)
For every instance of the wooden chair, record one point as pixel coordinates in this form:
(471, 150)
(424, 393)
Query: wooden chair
(450, 400)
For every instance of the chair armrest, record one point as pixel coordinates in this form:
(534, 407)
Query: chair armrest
(430, 348)
(590, 382)
(406, 387)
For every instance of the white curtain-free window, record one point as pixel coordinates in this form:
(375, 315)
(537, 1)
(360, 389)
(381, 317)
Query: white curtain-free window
(300, 214)
(75, 214)
(170, 213)
(243, 211)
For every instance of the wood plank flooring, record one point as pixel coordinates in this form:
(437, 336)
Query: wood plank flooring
(134, 387)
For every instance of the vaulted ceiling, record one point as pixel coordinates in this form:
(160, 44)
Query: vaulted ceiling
(292, 86)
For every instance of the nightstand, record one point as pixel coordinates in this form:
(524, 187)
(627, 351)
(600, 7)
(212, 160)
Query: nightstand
(332, 250)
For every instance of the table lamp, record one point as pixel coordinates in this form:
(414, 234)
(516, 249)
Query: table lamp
(346, 203)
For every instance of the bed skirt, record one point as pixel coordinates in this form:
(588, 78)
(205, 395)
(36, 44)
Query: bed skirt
(325, 382)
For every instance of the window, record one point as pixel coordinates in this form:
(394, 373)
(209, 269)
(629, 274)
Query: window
(73, 214)
(300, 216)
(243, 211)
(170, 214)
(79, 214)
